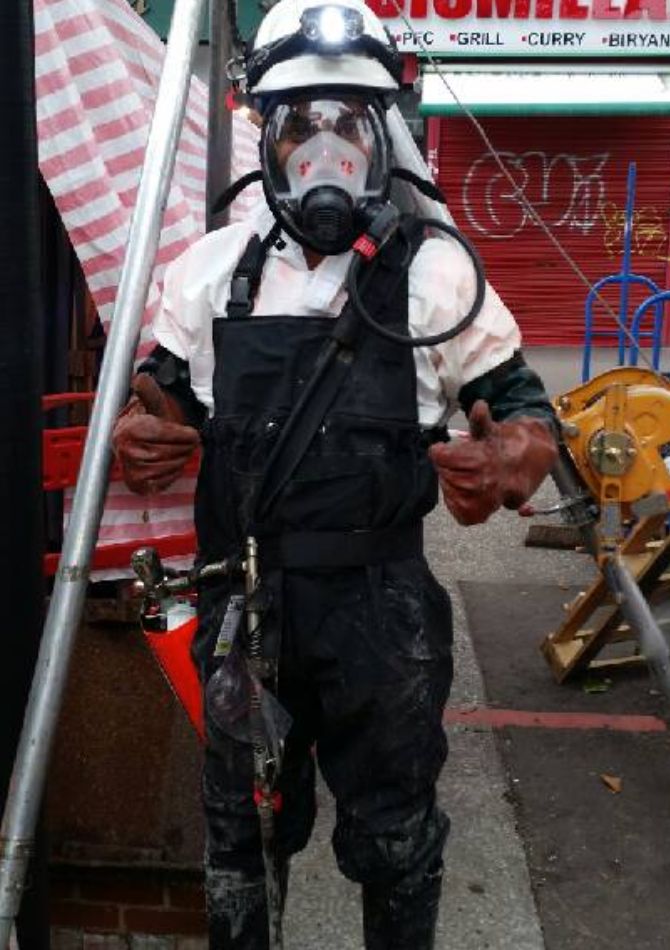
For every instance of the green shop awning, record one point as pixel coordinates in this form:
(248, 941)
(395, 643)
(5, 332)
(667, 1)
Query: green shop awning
(515, 91)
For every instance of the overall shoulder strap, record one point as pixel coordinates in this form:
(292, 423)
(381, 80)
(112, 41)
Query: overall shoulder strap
(247, 275)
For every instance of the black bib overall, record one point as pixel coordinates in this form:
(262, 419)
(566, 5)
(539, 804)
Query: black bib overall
(364, 639)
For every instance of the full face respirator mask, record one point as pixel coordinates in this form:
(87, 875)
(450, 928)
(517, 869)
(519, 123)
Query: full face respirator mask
(326, 167)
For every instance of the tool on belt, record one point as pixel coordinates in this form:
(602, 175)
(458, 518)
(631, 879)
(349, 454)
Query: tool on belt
(238, 701)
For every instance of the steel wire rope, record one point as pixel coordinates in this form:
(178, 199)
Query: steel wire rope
(521, 197)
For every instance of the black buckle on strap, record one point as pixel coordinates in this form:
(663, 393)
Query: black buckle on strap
(247, 276)
(239, 303)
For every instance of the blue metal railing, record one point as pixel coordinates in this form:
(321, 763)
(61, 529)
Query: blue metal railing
(655, 334)
(628, 349)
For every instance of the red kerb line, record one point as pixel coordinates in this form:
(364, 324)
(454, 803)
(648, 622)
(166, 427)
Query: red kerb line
(501, 718)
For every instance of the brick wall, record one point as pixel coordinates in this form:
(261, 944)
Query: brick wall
(103, 908)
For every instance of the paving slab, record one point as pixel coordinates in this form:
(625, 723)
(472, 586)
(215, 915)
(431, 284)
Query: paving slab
(591, 803)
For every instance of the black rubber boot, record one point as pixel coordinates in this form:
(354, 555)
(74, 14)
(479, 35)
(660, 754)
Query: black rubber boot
(237, 909)
(394, 919)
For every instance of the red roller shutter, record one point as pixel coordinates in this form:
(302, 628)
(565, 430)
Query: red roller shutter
(574, 171)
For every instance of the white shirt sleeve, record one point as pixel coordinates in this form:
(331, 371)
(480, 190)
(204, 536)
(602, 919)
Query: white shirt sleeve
(196, 288)
(441, 291)
(168, 328)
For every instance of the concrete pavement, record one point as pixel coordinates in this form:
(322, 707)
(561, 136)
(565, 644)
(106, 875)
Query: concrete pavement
(487, 895)
(487, 900)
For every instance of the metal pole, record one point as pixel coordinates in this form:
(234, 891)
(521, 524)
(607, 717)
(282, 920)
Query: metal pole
(67, 601)
(582, 512)
(624, 290)
(638, 613)
(220, 120)
(616, 573)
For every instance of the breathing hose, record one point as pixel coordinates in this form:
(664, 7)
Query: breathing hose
(366, 248)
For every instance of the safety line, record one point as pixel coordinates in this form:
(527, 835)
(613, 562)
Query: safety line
(485, 716)
(521, 197)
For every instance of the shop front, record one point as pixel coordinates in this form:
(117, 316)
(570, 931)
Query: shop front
(568, 95)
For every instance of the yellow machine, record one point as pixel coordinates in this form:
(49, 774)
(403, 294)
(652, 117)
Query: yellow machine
(616, 488)
(617, 428)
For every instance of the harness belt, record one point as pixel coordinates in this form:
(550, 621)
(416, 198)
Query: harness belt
(307, 549)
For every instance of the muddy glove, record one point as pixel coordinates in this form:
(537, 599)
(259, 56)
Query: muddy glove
(150, 439)
(502, 463)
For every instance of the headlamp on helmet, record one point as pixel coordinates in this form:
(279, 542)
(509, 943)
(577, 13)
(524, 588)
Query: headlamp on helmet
(330, 26)
(334, 44)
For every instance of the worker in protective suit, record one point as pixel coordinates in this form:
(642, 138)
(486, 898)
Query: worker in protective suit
(356, 632)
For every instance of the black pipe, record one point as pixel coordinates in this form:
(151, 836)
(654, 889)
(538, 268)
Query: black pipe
(219, 139)
(21, 373)
(57, 293)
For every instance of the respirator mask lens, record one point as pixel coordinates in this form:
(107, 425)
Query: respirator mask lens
(325, 161)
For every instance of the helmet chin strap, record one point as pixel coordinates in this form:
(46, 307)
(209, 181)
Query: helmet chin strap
(231, 193)
(321, 219)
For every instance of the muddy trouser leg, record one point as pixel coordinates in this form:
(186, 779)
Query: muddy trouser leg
(402, 919)
(234, 870)
(386, 668)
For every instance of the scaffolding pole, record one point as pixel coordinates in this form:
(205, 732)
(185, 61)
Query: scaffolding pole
(67, 601)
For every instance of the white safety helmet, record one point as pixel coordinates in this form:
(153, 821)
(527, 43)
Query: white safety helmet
(306, 43)
(322, 74)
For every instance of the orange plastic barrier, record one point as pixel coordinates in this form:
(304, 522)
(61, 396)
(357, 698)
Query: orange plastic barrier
(172, 650)
(62, 452)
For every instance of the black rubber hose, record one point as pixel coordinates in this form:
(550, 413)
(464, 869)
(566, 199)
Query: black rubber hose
(358, 263)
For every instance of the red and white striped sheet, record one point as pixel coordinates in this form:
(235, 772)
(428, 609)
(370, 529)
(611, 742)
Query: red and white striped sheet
(97, 68)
